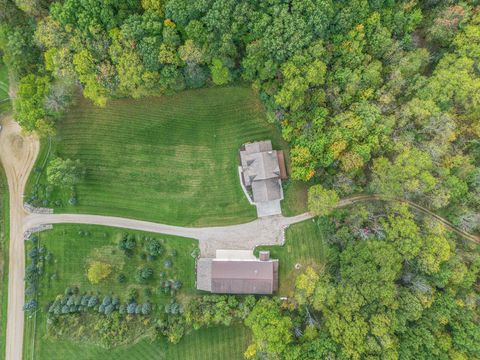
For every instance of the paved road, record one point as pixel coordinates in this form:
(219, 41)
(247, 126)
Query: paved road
(17, 154)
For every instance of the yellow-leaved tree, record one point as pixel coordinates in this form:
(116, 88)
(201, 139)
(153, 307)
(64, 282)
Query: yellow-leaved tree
(98, 271)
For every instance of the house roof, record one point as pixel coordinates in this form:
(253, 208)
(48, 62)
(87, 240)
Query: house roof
(262, 165)
(259, 146)
(243, 276)
(267, 190)
(261, 170)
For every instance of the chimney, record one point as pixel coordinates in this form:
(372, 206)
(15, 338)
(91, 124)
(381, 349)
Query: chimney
(264, 255)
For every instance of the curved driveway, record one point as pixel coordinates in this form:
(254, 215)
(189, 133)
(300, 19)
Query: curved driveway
(263, 231)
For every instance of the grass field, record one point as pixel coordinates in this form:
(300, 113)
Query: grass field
(3, 82)
(71, 252)
(216, 343)
(305, 244)
(169, 159)
(295, 201)
(4, 103)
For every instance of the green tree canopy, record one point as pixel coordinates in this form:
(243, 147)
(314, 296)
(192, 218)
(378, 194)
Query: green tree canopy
(272, 331)
(321, 201)
(64, 172)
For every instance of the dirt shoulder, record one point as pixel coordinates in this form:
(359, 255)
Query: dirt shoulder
(17, 155)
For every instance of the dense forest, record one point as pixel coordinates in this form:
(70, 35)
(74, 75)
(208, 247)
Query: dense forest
(396, 286)
(373, 96)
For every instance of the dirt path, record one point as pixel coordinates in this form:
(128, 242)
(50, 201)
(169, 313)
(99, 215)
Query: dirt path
(360, 198)
(17, 155)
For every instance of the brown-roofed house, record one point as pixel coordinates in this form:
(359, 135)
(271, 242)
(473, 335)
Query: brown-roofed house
(238, 272)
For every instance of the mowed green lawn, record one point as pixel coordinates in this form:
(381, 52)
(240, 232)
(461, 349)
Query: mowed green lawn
(215, 343)
(305, 245)
(74, 246)
(3, 82)
(4, 103)
(71, 251)
(170, 159)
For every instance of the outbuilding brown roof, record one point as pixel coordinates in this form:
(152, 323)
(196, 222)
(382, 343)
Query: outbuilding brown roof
(244, 276)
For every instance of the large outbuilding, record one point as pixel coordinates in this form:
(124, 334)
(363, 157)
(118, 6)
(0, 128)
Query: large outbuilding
(238, 272)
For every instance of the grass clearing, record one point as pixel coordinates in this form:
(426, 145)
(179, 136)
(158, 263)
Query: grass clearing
(295, 201)
(3, 82)
(4, 102)
(170, 159)
(72, 247)
(305, 244)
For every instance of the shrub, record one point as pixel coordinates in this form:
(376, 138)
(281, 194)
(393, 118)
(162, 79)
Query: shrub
(153, 247)
(109, 309)
(177, 284)
(195, 253)
(127, 244)
(131, 308)
(107, 300)
(30, 305)
(168, 263)
(122, 309)
(143, 274)
(132, 295)
(68, 291)
(121, 278)
(92, 301)
(146, 308)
